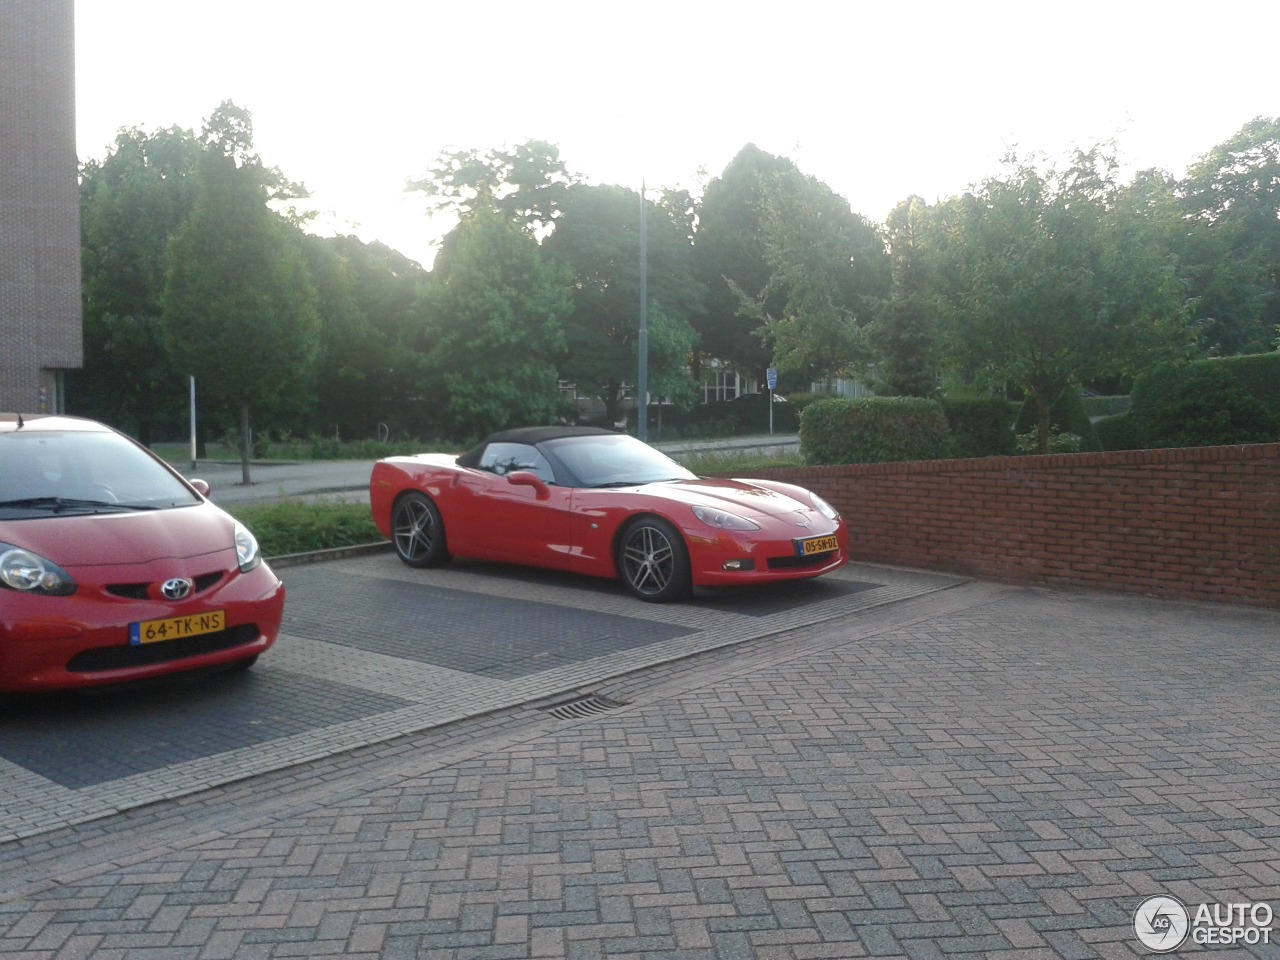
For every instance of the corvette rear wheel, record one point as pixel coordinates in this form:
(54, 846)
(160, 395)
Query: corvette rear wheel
(654, 562)
(418, 532)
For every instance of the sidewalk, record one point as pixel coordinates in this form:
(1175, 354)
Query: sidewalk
(982, 772)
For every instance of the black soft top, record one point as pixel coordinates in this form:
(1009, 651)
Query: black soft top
(531, 436)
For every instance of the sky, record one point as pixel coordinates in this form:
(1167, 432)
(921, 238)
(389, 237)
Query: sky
(880, 101)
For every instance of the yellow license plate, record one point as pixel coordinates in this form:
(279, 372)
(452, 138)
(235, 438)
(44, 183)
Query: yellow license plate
(807, 548)
(175, 628)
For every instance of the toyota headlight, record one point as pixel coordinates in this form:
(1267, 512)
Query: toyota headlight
(248, 554)
(31, 573)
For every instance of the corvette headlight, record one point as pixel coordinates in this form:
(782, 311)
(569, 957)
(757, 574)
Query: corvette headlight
(31, 573)
(247, 553)
(722, 520)
(824, 508)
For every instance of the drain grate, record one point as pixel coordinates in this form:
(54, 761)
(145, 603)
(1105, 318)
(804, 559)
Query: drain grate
(588, 706)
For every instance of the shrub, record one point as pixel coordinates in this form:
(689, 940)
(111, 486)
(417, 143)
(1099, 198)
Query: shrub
(1258, 374)
(751, 412)
(1118, 433)
(1211, 407)
(1058, 442)
(980, 428)
(1228, 400)
(296, 526)
(798, 401)
(1105, 406)
(748, 415)
(874, 430)
(1159, 388)
(1067, 416)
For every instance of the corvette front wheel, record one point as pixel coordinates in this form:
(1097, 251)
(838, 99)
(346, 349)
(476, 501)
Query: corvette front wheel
(418, 532)
(654, 562)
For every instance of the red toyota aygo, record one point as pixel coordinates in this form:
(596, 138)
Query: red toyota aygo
(115, 568)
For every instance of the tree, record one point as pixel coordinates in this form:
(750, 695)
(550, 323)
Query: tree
(828, 269)
(132, 202)
(1231, 247)
(598, 242)
(352, 354)
(902, 337)
(526, 185)
(729, 256)
(671, 344)
(372, 351)
(239, 302)
(1051, 282)
(496, 314)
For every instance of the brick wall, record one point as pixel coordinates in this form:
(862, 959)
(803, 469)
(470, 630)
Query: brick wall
(1198, 523)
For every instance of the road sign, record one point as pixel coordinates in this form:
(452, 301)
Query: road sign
(771, 377)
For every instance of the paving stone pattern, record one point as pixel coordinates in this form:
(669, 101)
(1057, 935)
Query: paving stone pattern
(487, 635)
(986, 772)
(82, 742)
(371, 650)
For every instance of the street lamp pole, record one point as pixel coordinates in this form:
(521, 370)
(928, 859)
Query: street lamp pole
(191, 380)
(642, 382)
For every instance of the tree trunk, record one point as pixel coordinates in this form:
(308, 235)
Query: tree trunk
(1044, 423)
(246, 444)
(612, 402)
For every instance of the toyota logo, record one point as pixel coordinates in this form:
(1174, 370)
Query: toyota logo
(176, 589)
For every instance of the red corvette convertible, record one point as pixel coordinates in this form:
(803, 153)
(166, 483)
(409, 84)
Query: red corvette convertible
(601, 503)
(113, 567)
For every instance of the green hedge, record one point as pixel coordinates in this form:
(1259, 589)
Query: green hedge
(1208, 402)
(1111, 406)
(746, 416)
(1118, 433)
(980, 428)
(1067, 416)
(874, 430)
(299, 526)
(1258, 374)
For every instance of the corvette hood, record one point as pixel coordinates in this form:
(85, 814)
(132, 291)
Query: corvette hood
(124, 538)
(737, 496)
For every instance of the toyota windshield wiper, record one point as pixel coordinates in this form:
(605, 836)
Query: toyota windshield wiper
(58, 504)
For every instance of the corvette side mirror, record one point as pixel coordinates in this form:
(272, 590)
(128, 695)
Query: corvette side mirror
(523, 478)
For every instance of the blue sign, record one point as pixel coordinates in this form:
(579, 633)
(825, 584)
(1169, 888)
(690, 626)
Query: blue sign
(771, 377)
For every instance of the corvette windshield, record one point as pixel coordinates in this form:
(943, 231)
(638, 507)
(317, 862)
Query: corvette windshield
(615, 461)
(57, 473)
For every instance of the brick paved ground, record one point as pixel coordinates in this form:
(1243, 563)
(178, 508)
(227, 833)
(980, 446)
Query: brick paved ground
(984, 772)
(370, 651)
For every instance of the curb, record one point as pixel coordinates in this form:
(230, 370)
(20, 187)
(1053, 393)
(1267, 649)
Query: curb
(319, 556)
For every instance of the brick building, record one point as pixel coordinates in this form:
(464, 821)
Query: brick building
(40, 319)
